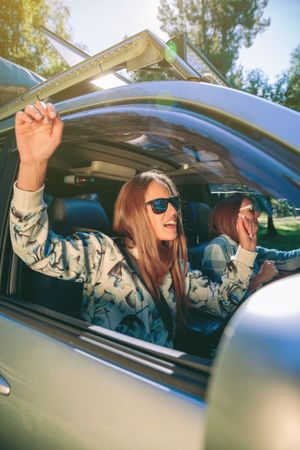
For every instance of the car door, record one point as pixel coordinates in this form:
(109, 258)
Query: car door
(64, 386)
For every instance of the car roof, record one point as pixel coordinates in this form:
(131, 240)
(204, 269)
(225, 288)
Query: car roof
(276, 121)
(143, 50)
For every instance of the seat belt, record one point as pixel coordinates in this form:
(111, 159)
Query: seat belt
(161, 303)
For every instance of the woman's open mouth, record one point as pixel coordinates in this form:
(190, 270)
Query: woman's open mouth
(171, 224)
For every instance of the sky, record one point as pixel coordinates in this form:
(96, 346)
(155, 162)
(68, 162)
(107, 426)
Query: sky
(100, 24)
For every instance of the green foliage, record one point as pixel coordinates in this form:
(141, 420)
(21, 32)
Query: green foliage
(285, 90)
(287, 238)
(256, 82)
(20, 38)
(219, 28)
(293, 89)
(282, 208)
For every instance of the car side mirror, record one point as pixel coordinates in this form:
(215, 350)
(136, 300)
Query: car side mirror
(254, 395)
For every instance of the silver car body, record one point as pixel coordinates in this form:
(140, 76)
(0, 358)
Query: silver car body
(65, 384)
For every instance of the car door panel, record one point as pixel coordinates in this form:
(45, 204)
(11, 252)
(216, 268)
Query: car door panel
(64, 397)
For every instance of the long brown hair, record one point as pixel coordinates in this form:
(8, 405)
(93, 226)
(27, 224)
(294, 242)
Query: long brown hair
(224, 217)
(155, 258)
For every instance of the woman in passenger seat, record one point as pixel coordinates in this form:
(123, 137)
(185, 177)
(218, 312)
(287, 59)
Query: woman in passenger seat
(139, 284)
(218, 254)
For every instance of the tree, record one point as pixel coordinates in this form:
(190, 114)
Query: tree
(20, 38)
(219, 28)
(285, 90)
(293, 88)
(256, 82)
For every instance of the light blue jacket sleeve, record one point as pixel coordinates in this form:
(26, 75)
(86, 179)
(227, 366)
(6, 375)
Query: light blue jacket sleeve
(285, 261)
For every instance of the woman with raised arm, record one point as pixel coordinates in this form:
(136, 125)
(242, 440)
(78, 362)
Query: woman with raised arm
(138, 285)
(218, 254)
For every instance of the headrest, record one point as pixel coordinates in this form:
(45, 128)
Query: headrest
(195, 221)
(68, 215)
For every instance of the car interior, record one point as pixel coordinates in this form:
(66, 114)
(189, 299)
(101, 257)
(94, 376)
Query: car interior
(82, 211)
(83, 181)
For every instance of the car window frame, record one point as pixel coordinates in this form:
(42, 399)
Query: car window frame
(175, 370)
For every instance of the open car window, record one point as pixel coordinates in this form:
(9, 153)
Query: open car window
(98, 155)
(105, 146)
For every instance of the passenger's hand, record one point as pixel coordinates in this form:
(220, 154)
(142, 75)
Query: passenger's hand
(267, 272)
(38, 132)
(247, 232)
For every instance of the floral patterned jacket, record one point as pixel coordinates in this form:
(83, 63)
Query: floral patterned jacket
(114, 296)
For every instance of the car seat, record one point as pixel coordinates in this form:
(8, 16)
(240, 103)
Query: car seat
(202, 331)
(195, 222)
(69, 215)
(66, 216)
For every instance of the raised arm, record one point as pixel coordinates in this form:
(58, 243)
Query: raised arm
(223, 297)
(78, 257)
(38, 133)
(288, 261)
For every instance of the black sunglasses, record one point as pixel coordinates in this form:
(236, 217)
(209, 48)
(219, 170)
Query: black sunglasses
(160, 205)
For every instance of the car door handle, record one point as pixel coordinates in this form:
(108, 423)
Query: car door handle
(4, 386)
